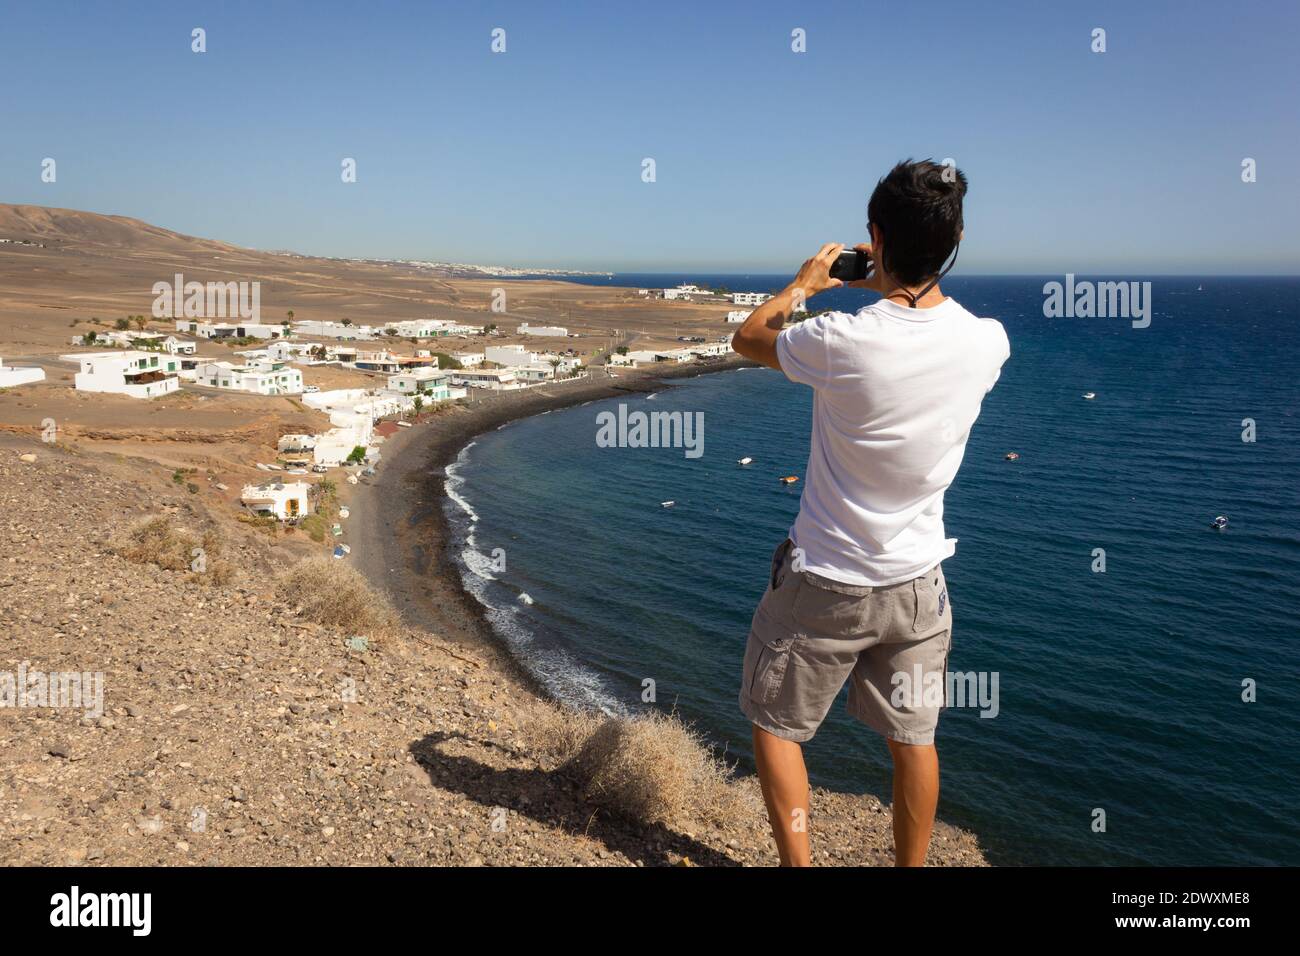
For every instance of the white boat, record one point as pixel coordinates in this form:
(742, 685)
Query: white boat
(745, 461)
(666, 504)
(1219, 523)
(1090, 395)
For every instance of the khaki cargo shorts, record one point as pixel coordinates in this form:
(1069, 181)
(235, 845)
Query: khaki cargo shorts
(811, 634)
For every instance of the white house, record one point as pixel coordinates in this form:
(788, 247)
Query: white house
(684, 292)
(739, 315)
(282, 500)
(226, 330)
(430, 328)
(429, 382)
(375, 404)
(510, 355)
(136, 374)
(650, 356)
(260, 378)
(556, 331)
(284, 351)
(469, 359)
(333, 330)
(11, 376)
(500, 379)
(749, 298)
(712, 348)
(292, 444)
(174, 346)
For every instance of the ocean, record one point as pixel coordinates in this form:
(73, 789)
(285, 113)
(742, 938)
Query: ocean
(1119, 692)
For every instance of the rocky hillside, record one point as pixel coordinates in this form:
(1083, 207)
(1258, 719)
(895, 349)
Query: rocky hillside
(234, 730)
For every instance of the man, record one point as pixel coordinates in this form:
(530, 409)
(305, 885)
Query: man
(856, 593)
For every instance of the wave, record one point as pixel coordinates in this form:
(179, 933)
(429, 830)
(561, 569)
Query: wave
(563, 675)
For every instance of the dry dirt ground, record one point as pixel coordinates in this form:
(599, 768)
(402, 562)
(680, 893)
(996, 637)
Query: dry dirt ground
(235, 732)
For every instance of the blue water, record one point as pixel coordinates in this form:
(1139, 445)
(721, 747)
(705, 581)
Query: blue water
(1120, 691)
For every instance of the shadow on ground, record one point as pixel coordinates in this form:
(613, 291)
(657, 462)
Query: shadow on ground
(552, 799)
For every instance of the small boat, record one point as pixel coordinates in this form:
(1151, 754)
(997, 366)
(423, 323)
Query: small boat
(666, 504)
(1219, 523)
(1012, 456)
(745, 461)
(789, 479)
(651, 395)
(1089, 395)
(1200, 288)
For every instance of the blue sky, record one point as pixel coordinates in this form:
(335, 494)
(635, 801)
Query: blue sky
(1127, 161)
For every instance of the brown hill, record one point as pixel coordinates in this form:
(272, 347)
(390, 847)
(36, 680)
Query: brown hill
(74, 228)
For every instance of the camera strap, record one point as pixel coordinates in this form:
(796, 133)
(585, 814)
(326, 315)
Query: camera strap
(913, 299)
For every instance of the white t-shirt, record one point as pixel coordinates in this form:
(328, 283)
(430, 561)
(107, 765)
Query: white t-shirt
(896, 391)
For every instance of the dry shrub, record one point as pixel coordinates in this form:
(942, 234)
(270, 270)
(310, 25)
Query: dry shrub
(556, 734)
(651, 769)
(330, 593)
(159, 542)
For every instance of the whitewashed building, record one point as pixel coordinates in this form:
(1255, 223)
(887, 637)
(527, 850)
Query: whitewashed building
(553, 331)
(283, 500)
(749, 298)
(431, 328)
(499, 379)
(738, 315)
(260, 378)
(228, 330)
(510, 355)
(333, 330)
(19, 375)
(432, 383)
(132, 373)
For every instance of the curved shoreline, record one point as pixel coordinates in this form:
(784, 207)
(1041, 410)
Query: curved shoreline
(399, 529)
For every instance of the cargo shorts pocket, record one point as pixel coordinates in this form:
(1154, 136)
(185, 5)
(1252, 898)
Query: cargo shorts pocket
(830, 609)
(775, 577)
(932, 607)
(767, 658)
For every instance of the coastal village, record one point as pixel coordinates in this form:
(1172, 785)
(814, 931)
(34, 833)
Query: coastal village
(398, 372)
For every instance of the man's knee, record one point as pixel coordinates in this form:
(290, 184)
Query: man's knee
(902, 752)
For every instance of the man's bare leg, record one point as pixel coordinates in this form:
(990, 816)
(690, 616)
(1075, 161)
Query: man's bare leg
(916, 795)
(784, 779)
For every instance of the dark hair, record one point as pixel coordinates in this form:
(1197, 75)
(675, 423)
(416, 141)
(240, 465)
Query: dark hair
(917, 208)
